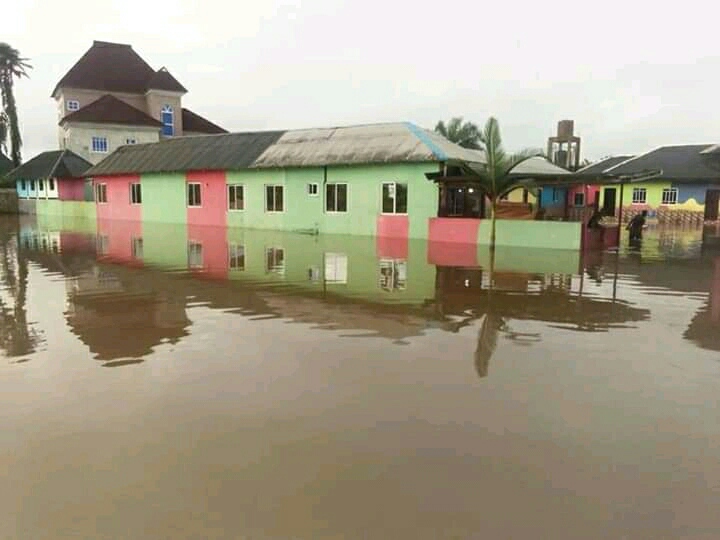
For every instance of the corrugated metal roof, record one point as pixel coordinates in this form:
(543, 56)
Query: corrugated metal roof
(376, 143)
(230, 151)
(537, 166)
(678, 163)
(53, 164)
(604, 164)
(373, 143)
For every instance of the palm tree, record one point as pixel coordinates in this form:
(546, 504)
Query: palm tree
(12, 66)
(495, 177)
(465, 134)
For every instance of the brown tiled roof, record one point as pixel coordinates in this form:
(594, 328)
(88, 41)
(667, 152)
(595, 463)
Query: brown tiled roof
(110, 110)
(195, 123)
(163, 80)
(114, 67)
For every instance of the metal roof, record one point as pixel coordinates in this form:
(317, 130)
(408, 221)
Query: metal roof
(678, 163)
(196, 153)
(604, 164)
(372, 143)
(53, 164)
(351, 145)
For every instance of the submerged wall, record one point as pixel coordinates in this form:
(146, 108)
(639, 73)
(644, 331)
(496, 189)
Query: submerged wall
(8, 201)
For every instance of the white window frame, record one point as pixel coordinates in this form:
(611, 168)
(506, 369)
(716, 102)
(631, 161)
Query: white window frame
(51, 184)
(187, 192)
(235, 187)
(275, 268)
(235, 253)
(136, 244)
(674, 198)
(101, 187)
(98, 148)
(639, 190)
(313, 189)
(394, 198)
(132, 193)
(347, 198)
(575, 196)
(167, 109)
(72, 105)
(274, 186)
(193, 245)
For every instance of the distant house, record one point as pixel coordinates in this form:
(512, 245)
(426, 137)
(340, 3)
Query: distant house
(111, 97)
(57, 174)
(578, 200)
(687, 190)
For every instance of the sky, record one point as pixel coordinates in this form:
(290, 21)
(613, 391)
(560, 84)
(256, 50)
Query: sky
(632, 75)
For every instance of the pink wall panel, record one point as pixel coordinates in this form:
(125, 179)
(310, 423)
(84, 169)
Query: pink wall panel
(118, 204)
(71, 189)
(120, 234)
(460, 230)
(214, 199)
(393, 226)
(452, 254)
(214, 250)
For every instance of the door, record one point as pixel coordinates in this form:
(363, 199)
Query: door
(712, 199)
(609, 201)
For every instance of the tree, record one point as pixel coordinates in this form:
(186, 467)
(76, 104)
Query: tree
(12, 66)
(495, 178)
(465, 134)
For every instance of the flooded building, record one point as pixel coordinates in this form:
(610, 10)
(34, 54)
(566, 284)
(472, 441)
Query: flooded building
(687, 190)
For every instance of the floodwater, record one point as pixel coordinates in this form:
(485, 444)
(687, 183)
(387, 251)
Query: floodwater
(314, 388)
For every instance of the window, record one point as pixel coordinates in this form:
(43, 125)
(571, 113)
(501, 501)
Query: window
(336, 198)
(273, 198)
(32, 185)
(73, 105)
(579, 199)
(336, 265)
(312, 189)
(194, 198)
(131, 140)
(394, 198)
(236, 197)
(41, 185)
(195, 254)
(670, 196)
(102, 244)
(166, 117)
(639, 195)
(23, 185)
(101, 193)
(556, 195)
(135, 193)
(51, 184)
(99, 145)
(275, 260)
(137, 247)
(393, 274)
(236, 254)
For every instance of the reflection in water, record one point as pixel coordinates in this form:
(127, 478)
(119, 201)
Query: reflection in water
(17, 337)
(280, 386)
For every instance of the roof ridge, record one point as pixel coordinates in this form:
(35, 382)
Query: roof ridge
(609, 169)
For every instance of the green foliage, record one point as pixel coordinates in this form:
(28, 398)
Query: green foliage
(12, 66)
(465, 134)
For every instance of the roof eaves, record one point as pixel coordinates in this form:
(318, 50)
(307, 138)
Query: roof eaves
(420, 134)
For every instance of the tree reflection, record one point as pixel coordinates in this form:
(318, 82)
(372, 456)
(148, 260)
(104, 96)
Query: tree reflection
(490, 327)
(16, 336)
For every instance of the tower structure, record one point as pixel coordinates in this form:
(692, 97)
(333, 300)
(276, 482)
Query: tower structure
(564, 148)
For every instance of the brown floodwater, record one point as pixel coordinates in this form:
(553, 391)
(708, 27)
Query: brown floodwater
(358, 397)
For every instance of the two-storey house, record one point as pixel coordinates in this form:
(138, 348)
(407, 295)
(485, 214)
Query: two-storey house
(112, 97)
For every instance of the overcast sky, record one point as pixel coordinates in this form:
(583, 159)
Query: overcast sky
(633, 75)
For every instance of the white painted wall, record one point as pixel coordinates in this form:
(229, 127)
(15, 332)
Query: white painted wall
(78, 138)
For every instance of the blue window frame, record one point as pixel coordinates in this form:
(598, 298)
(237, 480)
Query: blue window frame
(100, 145)
(166, 117)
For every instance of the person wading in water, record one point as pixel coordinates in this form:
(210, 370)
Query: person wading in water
(636, 226)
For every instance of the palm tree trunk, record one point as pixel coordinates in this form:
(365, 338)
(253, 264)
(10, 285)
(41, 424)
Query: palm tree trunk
(11, 111)
(492, 230)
